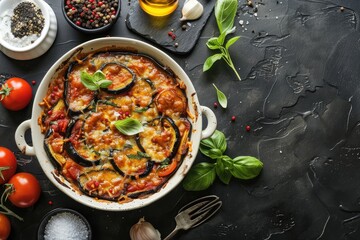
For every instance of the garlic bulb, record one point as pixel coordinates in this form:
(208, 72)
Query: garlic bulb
(191, 10)
(143, 230)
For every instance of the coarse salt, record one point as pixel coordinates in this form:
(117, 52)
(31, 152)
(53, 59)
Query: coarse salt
(66, 226)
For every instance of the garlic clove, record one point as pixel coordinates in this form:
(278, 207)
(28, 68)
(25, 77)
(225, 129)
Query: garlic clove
(144, 230)
(191, 10)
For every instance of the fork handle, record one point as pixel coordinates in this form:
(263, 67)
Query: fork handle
(172, 234)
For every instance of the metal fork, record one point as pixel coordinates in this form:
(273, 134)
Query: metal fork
(195, 213)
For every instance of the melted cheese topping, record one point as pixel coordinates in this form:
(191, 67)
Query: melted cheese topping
(125, 166)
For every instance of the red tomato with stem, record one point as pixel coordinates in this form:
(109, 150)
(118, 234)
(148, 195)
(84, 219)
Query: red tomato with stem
(26, 190)
(5, 227)
(16, 93)
(8, 164)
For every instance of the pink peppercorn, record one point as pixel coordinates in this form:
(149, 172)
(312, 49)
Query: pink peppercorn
(233, 118)
(247, 128)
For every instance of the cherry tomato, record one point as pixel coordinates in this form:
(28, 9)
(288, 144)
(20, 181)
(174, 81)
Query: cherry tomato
(162, 172)
(8, 164)
(5, 227)
(16, 93)
(26, 190)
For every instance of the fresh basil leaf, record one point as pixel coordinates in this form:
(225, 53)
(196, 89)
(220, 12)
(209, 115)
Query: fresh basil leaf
(213, 43)
(211, 60)
(98, 76)
(129, 126)
(212, 153)
(246, 167)
(219, 140)
(231, 41)
(221, 38)
(104, 83)
(222, 171)
(225, 12)
(200, 177)
(216, 141)
(88, 81)
(221, 97)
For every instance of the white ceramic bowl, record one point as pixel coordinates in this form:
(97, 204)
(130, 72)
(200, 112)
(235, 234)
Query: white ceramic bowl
(38, 138)
(41, 44)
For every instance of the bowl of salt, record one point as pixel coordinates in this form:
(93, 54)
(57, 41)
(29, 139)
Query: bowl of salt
(64, 223)
(27, 28)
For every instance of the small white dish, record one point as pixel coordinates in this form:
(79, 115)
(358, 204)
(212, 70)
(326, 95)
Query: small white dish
(42, 44)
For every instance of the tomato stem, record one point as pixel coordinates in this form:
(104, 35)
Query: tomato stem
(1, 172)
(4, 196)
(5, 91)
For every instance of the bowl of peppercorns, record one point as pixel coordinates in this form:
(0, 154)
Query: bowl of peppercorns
(91, 16)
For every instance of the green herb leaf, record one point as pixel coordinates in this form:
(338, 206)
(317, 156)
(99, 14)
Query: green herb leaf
(87, 81)
(104, 83)
(231, 41)
(98, 76)
(138, 155)
(213, 43)
(225, 12)
(129, 126)
(200, 177)
(221, 97)
(223, 171)
(246, 167)
(211, 60)
(96, 81)
(216, 141)
(140, 110)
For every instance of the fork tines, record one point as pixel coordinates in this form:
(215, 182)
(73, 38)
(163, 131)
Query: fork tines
(201, 209)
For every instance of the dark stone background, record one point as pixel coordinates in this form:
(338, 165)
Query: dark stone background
(300, 93)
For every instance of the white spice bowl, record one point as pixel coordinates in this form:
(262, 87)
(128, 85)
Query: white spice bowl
(41, 44)
(57, 213)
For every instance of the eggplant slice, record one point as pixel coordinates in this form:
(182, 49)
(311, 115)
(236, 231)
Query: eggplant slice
(104, 184)
(143, 93)
(77, 148)
(77, 97)
(132, 163)
(54, 148)
(121, 76)
(160, 139)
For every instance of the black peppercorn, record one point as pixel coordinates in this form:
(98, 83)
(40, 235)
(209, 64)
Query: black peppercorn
(91, 13)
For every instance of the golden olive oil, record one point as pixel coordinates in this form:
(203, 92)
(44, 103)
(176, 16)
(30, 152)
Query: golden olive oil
(158, 8)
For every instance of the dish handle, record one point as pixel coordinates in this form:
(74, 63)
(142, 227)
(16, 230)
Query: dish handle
(20, 138)
(211, 122)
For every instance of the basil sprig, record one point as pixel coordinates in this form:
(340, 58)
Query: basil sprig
(225, 12)
(202, 175)
(95, 81)
(221, 97)
(129, 126)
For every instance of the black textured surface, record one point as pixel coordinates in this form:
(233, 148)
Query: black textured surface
(156, 29)
(300, 93)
